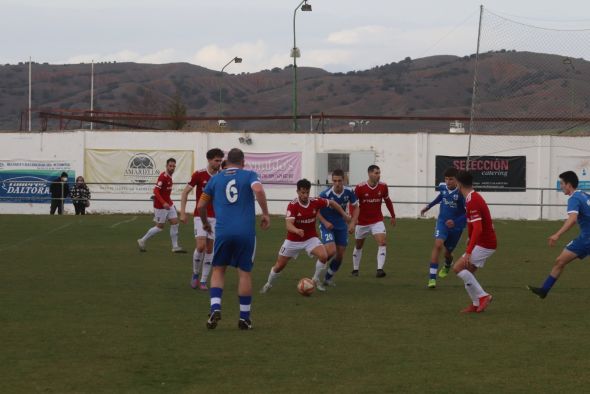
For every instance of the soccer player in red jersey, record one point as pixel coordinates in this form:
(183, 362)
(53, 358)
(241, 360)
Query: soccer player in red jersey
(164, 209)
(371, 194)
(203, 239)
(482, 243)
(301, 233)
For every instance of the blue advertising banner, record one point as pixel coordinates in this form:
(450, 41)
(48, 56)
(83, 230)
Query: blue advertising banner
(28, 181)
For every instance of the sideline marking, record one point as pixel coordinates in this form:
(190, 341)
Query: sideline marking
(37, 236)
(134, 218)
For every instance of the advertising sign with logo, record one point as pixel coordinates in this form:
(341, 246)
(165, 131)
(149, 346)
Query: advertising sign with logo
(28, 180)
(133, 171)
(282, 168)
(490, 173)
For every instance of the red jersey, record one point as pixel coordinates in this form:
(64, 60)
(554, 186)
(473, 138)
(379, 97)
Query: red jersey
(370, 200)
(163, 190)
(199, 180)
(305, 217)
(477, 211)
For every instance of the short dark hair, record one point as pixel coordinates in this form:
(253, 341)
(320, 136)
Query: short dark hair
(465, 178)
(569, 177)
(451, 172)
(372, 168)
(223, 164)
(303, 184)
(338, 172)
(170, 160)
(235, 156)
(215, 152)
(64, 174)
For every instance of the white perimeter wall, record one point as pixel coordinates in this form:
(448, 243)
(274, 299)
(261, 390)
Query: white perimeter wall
(405, 159)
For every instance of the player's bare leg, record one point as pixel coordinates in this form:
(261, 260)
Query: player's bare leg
(565, 257)
(433, 266)
(321, 254)
(465, 271)
(275, 272)
(357, 254)
(216, 293)
(245, 298)
(381, 240)
(150, 233)
(174, 236)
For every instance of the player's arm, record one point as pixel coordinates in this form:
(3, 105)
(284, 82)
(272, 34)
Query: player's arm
(327, 224)
(434, 202)
(354, 212)
(261, 198)
(389, 205)
(204, 201)
(572, 218)
(183, 200)
(334, 205)
(159, 197)
(290, 225)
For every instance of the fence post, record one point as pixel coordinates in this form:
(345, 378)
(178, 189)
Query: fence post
(542, 203)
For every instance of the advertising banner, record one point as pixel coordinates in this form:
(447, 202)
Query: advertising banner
(490, 173)
(134, 171)
(281, 168)
(28, 180)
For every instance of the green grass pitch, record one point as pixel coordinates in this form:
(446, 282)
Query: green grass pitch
(81, 310)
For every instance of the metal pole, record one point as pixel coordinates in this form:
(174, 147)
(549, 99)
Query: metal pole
(30, 90)
(541, 204)
(295, 69)
(92, 94)
(220, 104)
(474, 89)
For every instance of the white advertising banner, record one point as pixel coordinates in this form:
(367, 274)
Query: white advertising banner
(134, 171)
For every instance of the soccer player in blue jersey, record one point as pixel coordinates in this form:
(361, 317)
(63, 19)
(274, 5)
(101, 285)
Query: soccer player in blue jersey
(232, 193)
(449, 225)
(333, 229)
(578, 210)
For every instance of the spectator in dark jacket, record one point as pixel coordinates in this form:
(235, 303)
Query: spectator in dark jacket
(80, 196)
(59, 190)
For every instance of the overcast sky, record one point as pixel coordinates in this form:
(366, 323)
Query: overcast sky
(338, 35)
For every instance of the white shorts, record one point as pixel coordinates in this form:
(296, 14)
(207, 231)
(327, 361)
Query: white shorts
(362, 232)
(199, 232)
(480, 255)
(161, 215)
(292, 249)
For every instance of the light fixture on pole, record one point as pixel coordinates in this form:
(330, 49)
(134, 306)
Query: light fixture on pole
(233, 60)
(295, 53)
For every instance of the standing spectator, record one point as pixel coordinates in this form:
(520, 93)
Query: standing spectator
(59, 190)
(80, 196)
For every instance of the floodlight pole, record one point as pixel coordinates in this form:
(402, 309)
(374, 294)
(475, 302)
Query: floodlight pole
(30, 90)
(236, 60)
(295, 54)
(92, 94)
(474, 89)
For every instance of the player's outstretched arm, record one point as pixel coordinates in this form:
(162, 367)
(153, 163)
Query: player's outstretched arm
(261, 198)
(327, 224)
(572, 218)
(338, 208)
(183, 201)
(437, 200)
(354, 212)
(290, 225)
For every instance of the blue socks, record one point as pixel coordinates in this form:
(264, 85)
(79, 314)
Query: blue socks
(245, 302)
(433, 270)
(215, 293)
(549, 282)
(332, 269)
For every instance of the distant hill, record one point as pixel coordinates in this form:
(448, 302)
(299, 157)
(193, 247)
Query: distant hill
(512, 84)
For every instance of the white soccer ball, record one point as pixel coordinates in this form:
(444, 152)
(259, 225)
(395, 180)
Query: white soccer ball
(306, 287)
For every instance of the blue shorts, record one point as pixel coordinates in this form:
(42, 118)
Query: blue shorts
(339, 236)
(451, 236)
(234, 250)
(580, 246)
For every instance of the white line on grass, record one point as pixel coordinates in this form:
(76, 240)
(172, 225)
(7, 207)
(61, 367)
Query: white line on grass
(36, 236)
(134, 218)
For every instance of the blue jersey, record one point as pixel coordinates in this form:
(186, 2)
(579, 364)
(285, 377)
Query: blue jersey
(233, 201)
(579, 202)
(452, 205)
(343, 199)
